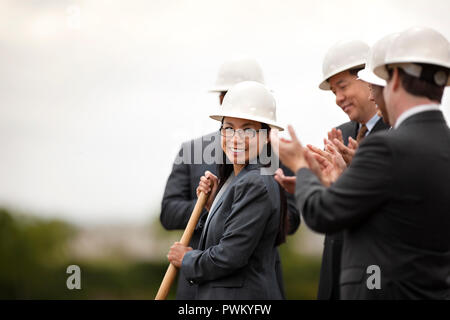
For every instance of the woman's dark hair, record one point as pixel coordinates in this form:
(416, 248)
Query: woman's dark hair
(225, 168)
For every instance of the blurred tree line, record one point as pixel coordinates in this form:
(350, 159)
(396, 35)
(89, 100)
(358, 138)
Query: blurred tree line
(34, 256)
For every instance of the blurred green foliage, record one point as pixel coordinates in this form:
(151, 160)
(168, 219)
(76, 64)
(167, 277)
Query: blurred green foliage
(34, 256)
(300, 272)
(30, 250)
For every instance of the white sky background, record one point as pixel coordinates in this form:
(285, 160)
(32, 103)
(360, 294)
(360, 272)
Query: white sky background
(97, 96)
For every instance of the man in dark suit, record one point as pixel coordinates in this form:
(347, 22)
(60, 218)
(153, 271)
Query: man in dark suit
(393, 201)
(180, 193)
(340, 67)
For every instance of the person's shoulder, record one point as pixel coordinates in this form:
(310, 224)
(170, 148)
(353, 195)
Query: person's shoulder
(381, 136)
(205, 138)
(252, 179)
(252, 185)
(380, 141)
(404, 136)
(349, 125)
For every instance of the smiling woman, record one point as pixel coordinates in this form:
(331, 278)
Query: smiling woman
(241, 140)
(237, 256)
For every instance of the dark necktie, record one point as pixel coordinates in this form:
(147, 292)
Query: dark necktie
(361, 133)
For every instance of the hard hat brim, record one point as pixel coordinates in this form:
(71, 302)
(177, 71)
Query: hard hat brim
(219, 116)
(369, 77)
(219, 89)
(381, 71)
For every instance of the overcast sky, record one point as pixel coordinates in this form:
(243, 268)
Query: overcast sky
(97, 96)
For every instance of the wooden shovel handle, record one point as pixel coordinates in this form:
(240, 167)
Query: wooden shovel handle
(171, 272)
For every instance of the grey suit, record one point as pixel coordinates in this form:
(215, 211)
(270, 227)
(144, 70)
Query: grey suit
(393, 203)
(180, 197)
(331, 259)
(237, 256)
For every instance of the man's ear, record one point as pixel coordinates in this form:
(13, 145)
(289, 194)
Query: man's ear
(396, 81)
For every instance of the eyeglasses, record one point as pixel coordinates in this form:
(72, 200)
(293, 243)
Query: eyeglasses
(229, 132)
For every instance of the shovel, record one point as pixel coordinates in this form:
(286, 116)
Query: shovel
(185, 239)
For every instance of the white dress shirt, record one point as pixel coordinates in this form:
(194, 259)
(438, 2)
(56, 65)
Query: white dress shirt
(370, 124)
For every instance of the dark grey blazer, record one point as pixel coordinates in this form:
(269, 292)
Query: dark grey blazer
(237, 257)
(393, 203)
(332, 251)
(180, 197)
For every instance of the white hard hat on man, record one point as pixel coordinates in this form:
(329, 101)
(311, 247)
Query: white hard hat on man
(416, 51)
(344, 55)
(376, 56)
(236, 70)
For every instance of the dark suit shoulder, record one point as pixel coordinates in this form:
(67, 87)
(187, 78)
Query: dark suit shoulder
(424, 118)
(252, 180)
(378, 137)
(413, 128)
(348, 130)
(379, 144)
(350, 125)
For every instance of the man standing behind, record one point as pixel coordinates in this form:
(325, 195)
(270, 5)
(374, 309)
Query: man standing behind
(393, 201)
(180, 193)
(340, 67)
(376, 84)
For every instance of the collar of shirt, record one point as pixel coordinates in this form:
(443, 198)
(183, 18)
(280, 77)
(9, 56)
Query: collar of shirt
(371, 123)
(415, 110)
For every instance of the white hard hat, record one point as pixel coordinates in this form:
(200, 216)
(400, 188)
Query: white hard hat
(237, 70)
(376, 57)
(249, 100)
(418, 45)
(344, 55)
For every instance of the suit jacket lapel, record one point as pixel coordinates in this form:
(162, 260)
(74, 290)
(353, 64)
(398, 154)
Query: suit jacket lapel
(380, 125)
(208, 220)
(219, 203)
(355, 129)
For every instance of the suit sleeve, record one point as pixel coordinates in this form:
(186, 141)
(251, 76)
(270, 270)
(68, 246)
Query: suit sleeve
(243, 229)
(177, 203)
(357, 194)
(292, 211)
